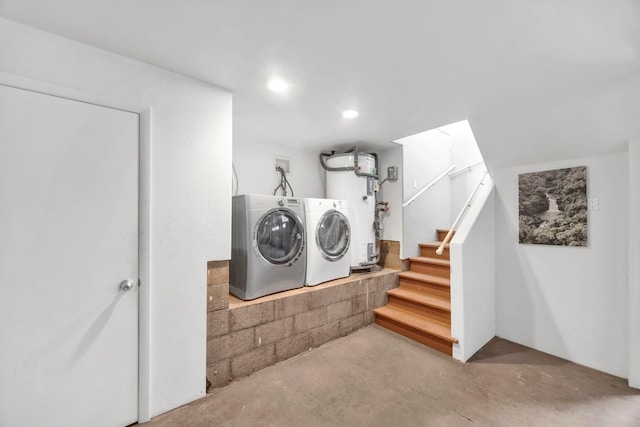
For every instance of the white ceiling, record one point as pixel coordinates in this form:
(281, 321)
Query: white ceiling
(529, 75)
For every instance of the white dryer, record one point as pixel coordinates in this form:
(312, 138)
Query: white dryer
(267, 245)
(328, 240)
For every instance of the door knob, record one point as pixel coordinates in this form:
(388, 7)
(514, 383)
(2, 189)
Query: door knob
(126, 285)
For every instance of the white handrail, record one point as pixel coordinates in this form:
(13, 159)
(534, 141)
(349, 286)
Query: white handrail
(428, 186)
(467, 205)
(466, 168)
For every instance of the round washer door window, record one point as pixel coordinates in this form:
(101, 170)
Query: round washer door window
(333, 235)
(279, 236)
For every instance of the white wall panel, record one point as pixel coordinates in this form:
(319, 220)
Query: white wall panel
(567, 301)
(190, 188)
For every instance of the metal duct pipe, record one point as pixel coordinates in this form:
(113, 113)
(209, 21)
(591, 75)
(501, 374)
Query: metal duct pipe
(353, 168)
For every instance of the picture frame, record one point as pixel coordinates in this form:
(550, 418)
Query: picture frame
(552, 207)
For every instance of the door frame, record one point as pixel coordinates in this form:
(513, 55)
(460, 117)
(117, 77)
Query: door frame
(144, 113)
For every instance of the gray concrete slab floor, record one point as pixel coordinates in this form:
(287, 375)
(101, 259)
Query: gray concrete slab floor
(375, 377)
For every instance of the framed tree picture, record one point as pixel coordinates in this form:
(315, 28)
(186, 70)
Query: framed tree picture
(553, 207)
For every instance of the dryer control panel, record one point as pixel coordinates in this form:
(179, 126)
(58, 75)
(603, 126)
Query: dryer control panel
(289, 202)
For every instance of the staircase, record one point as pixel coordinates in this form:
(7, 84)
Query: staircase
(420, 308)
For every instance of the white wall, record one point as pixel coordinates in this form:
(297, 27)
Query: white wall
(473, 276)
(464, 152)
(391, 191)
(190, 192)
(255, 166)
(634, 263)
(569, 302)
(424, 157)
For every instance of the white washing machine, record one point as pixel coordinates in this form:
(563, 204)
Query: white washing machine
(328, 240)
(268, 252)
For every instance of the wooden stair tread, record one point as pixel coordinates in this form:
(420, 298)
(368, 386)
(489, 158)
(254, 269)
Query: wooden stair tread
(421, 297)
(422, 277)
(415, 321)
(420, 308)
(431, 260)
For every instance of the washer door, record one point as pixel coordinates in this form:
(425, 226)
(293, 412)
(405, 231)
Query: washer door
(333, 235)
(279, 236)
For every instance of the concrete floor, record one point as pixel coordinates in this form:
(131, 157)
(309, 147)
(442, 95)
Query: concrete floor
(374, 377)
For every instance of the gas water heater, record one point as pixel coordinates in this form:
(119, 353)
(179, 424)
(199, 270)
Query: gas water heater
(352, 176)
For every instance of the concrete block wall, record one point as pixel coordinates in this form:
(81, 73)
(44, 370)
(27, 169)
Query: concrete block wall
(249, 336)
(390, 255)
(217, 312)
(217, 285)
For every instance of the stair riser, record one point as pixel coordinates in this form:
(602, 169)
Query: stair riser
(437, 290)
(421, 337)
(431, 252)
(434, 269)
(442, 234)
(421, 309)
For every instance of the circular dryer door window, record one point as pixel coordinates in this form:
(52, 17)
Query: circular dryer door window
(279, 236)
(333, 235)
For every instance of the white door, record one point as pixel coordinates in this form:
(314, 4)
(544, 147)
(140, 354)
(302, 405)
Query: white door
(68, 238)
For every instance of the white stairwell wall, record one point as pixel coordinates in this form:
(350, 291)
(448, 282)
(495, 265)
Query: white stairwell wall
(473, 275)
(571, 302)
(464, 152)
(424, 157)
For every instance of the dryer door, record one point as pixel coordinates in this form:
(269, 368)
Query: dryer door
(333, 235)
(279, 236)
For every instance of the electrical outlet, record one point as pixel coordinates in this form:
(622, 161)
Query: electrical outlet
(593, 204)
(415, 183)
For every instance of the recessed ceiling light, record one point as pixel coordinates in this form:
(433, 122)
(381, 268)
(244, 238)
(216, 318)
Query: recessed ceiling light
(278, 85)
(350, 114)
